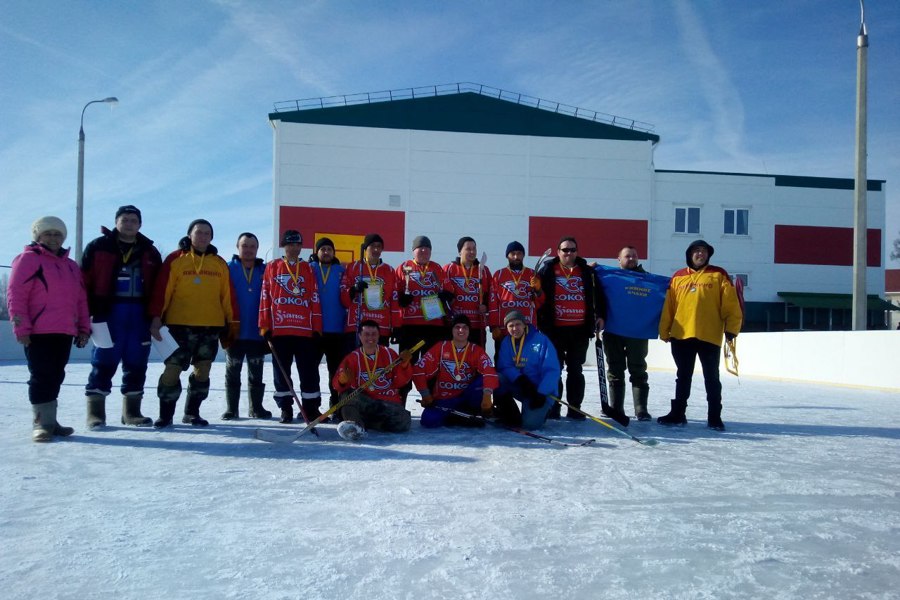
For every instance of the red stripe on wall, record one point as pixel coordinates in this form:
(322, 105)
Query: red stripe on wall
(892, 280)
(389, 224)
(806, 245)
(597, 238)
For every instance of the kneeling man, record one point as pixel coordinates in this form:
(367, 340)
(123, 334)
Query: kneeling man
(455, 374)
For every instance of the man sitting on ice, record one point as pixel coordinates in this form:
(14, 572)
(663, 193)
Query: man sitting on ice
(379, 406)
(455, 374)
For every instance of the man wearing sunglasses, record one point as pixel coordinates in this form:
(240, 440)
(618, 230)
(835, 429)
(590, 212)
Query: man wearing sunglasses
(572, 311)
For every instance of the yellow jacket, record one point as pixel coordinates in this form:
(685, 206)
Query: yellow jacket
(700, 304)
(191, 291)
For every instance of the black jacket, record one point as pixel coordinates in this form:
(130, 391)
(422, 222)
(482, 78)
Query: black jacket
(594, 300)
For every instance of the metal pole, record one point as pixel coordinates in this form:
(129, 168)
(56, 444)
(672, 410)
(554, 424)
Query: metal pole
(860, 224)
(79, 197)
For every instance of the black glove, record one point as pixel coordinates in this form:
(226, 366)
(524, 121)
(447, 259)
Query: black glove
(357, 288)
(446, 296)
(729, 336)
(537, 401)
(405, 300)
(527, 387)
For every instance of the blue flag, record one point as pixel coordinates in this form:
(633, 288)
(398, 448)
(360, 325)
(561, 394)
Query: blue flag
(634, 301)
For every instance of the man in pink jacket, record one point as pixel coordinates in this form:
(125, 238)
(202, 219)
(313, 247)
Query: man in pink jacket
(48, 308)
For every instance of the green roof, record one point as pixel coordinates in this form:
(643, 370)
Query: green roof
(834, 301)
(462, 109)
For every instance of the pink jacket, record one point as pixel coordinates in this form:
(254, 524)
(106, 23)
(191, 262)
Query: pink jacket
(46, 294)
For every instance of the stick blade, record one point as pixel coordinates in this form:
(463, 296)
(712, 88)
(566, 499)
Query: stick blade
(274, 437)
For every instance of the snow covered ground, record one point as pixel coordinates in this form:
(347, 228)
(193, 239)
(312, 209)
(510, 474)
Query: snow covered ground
(797, 499)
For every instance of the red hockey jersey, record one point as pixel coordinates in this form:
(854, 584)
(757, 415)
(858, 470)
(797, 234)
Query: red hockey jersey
(511, 290)
(421, 282)
(471, 291)
(289, 301)
(388, 314)
(359, 368)
(454, 370)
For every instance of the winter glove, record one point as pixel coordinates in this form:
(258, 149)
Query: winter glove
(427, 398)
(729, 336)
(405, 358)
(343, 377)
(446, 296)
(266, 334)
(405, 300)
(357, 289)
(537, 401)
(497, 334)
(535, 284)
(487, 404)
(528, 388)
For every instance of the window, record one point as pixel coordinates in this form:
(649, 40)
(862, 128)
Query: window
(737, 221)
(687, 219)
(744, 278)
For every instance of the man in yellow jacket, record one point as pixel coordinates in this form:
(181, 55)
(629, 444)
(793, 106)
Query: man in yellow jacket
(193, 297)
(701, 305)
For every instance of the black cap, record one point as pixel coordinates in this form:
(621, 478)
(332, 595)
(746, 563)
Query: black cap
(695, 244)
(420, 241)
(196, 222)
(324, 242)
(129, 209)
(462, 242)
(291, 236)
(514, 247)
(370, 239)
(459, 318)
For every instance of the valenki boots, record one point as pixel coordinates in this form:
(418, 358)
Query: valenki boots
(45, 425)
(96, 411)
(131, 411)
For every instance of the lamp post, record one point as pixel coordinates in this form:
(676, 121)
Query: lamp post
(859, 312)
(79, 200)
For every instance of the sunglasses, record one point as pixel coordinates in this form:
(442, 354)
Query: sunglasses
(568, 250)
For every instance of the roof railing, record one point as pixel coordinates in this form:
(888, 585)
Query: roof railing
(461, 88)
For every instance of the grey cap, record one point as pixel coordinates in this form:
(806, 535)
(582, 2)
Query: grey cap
(421, 240)
(513, 315)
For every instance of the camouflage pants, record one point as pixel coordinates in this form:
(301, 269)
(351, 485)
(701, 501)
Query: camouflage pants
(377, 415)
(197, 346)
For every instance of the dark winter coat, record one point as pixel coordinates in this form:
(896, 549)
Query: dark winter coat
(594, 301)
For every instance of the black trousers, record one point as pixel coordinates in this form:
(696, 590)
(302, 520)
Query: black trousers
(685, 353)
(334, 347)
(571, 349)
(47, 355)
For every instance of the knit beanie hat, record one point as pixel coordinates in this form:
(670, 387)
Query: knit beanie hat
(513, 315)
(420, 241)
(48, 224)
(460, 318)
(324, 242)
(370, 239)
(515, 247)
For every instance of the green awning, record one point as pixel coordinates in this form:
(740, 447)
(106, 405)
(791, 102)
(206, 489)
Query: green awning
(835, 301)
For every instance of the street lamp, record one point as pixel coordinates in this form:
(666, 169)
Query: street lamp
(859, 312)
(79, 200)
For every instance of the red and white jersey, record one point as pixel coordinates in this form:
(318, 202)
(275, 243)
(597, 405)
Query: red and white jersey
(568, 296)
(419, 282)
(360, 367)
(289, 301)
(454, 369)
(471, 291)
(389, 314)
(511, 290)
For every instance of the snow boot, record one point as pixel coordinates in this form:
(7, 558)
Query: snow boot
(96, 411)
(311, 408)
(617, 396)
(197, 392)
(232, 399)
(44, 423)
(676, 415)
(573, 414)
(714, 416)
(256, 406)
(640, 403)
(166, 414)
(287, 410)
(131, 411)
(351, 431)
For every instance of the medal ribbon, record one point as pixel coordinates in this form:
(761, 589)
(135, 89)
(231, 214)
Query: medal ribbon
(370, 371)
(459, 361)
(294, 276)
(196, 268)
(518, 353)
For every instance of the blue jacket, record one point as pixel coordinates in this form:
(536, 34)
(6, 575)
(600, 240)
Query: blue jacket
(334, 315)
(538, 362)
(247, 295)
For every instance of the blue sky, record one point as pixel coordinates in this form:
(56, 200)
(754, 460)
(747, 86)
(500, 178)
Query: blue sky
(760, 87)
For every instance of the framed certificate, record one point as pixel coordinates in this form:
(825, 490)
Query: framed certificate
(374, 295)
(432, 308)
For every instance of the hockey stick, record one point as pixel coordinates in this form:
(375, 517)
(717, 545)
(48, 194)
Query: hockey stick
(647, 442)
(287, 380)
(541, 260)
(617, 415)
(512, 428)
(280, 438)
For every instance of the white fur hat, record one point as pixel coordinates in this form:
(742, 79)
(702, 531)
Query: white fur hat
(48, 224)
